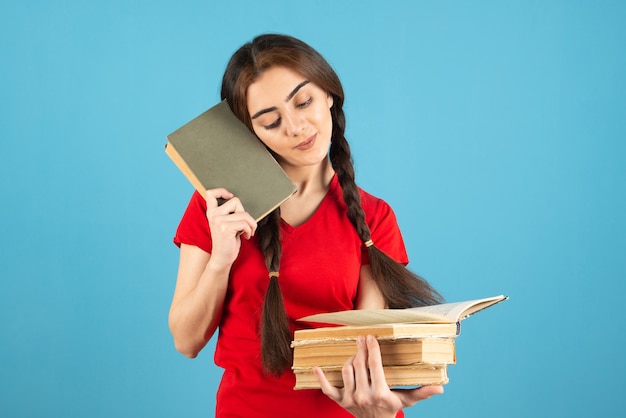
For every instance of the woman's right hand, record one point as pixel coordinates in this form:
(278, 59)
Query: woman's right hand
(228, 222)
(202, 280)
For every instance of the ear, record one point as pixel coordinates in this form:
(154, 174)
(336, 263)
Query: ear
(329, 100)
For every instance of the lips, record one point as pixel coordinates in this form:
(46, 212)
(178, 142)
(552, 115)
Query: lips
(306, 144)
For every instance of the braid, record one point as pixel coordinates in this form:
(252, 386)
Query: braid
(400, 287)
(275, 333)
(268, 233)
(341, 160)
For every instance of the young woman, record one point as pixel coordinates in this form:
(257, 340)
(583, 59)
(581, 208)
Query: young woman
(330, 247)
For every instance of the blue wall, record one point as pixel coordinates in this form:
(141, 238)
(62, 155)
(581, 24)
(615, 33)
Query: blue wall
(495, 129)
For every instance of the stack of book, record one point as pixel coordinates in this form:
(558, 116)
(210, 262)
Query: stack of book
(416, 344)
(412, 354)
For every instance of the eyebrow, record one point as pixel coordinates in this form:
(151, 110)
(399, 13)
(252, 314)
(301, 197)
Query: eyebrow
(289, 97)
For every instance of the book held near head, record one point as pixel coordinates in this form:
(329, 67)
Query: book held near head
(417, 344)
(215, 149)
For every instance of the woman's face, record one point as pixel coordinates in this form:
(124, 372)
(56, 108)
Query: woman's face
(291, 116)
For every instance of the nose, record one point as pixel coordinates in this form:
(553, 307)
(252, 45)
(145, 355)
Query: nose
(294, 124)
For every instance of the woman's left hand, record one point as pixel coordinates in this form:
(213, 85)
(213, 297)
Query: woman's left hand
(365, 393)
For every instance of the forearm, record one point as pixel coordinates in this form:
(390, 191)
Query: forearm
(195, 316)
(369, 295)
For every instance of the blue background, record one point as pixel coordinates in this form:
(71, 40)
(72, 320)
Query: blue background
(495, 129)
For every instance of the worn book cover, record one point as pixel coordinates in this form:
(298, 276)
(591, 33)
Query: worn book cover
(413, 375)
(380, 331)
(216, 149)
(396, 352)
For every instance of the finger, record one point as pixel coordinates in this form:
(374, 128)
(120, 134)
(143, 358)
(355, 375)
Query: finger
(427, 391)
(249, 226)
(233, 205)
(412, 396)
(238, 205)
(347, 374)
(212, 196)
(361, 374)
(329, 390)
(232, 215)
(239, 224)
(375, 363)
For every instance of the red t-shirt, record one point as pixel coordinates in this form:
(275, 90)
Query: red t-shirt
(319, 272)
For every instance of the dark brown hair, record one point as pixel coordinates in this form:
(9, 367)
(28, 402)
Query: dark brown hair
(400, 287)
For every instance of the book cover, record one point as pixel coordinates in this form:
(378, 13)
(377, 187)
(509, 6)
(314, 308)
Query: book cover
(398, 352)
(413, 375)
(380, 331)
(216, 149)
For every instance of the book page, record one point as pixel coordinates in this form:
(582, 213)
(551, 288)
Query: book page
(443, 313)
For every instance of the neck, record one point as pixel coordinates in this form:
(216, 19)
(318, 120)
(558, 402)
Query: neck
(313, 183)
(311, 179)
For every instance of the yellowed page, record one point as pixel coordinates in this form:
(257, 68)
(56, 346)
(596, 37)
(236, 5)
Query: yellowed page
(443, 313)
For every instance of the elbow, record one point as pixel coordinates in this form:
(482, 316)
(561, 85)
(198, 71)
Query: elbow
(189, 341)
(187, 350)
(188, 347)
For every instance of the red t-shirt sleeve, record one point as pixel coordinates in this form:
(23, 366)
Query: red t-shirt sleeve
(193, 228)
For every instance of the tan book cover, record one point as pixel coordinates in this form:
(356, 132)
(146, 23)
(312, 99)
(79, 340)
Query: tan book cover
(418, 375)
(396, 352)
(380, 331)
(216, 149)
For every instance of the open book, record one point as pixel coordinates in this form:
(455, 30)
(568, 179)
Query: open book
(216, 149)
(434, 314)
(416, 344)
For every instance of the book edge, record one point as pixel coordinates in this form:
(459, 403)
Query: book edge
(179, 161)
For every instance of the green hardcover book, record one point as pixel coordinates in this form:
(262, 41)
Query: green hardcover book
(216, 149)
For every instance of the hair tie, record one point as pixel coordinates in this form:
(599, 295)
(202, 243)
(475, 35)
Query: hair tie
(274, 274)
(368, 243)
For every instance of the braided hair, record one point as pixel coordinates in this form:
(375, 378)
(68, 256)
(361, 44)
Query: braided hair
(400, 287)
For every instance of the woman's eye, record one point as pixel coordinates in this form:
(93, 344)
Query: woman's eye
(273, 125)
(305, 103)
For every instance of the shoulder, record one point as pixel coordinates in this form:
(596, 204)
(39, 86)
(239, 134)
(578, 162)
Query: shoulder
(374, 207)
(196, 209)
(193, 228)
(382, 222)
(198, 200)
